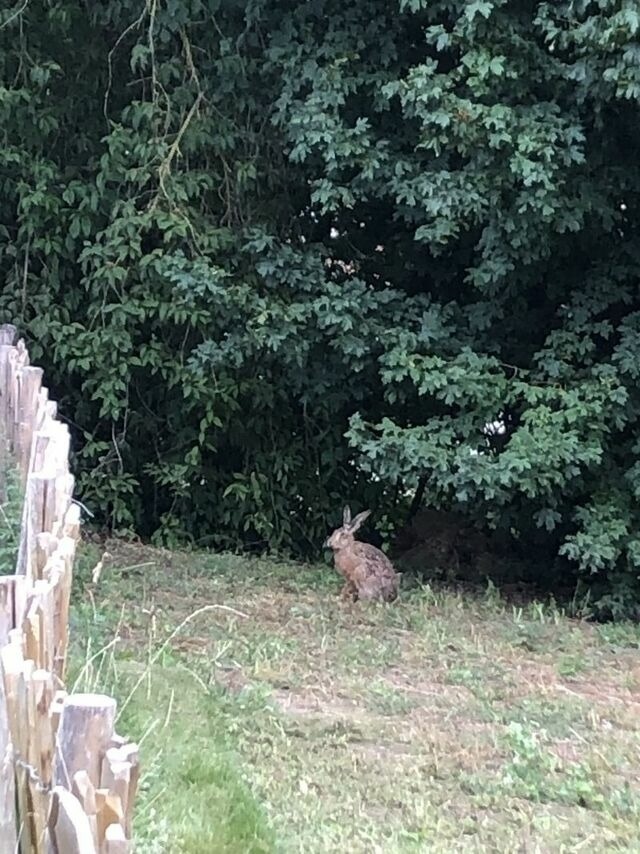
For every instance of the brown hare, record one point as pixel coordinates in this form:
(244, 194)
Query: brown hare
(368, 572)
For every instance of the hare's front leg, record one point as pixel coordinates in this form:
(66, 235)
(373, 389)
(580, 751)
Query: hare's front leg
(349, 592)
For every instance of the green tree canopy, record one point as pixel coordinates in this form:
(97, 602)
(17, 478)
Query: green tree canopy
(277, 255)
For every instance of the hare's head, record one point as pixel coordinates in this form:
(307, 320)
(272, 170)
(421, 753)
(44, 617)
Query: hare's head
(343, 537)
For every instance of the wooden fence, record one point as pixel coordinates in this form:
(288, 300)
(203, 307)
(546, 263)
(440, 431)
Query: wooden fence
(67, 781)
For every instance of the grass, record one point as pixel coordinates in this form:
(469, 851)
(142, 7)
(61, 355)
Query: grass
(274, 717)
(11, 501)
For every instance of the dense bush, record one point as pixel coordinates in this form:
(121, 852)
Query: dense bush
(275, 255)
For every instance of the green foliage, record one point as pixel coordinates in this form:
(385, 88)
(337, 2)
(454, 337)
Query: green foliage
(531, 769)
(11, 504)
(273, 257)
(535, 773)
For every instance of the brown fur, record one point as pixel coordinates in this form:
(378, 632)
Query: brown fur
(368, 572)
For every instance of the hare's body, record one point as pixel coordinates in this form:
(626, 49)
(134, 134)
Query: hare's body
(368, 572)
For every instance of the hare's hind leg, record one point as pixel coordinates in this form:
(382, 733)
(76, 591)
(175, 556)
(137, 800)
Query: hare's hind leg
(377, 588)
(369, 590)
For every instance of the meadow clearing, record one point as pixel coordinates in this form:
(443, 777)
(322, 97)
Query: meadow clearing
(274, 717)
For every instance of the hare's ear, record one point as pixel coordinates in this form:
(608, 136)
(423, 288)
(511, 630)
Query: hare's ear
(346, 516)
(360, 518)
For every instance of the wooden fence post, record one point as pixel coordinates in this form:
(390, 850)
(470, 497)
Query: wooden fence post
(67, 782)
(8, 818)
(84, 734)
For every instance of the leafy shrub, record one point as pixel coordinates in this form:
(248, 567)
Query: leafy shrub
(273, 257)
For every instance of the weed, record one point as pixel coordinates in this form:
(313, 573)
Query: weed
(620, 635)
(492, 596)
(384, 699)
(571, 665)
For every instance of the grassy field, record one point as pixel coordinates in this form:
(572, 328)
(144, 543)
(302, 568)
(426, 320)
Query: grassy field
(274, 717)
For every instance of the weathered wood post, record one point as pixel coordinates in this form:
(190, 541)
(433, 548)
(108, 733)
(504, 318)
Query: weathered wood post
(67, 782)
